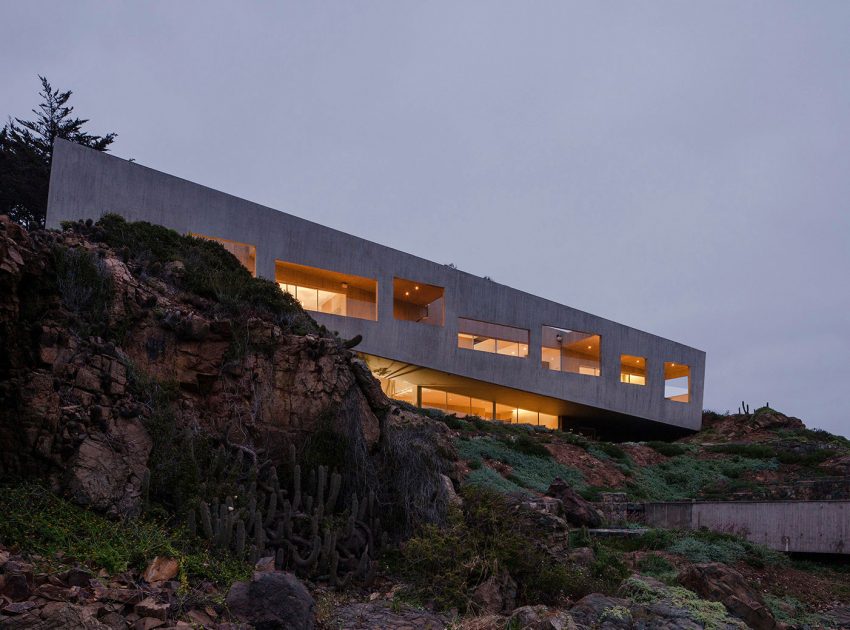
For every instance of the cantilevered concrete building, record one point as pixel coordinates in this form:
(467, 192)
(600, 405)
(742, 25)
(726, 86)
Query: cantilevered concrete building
(435, 336)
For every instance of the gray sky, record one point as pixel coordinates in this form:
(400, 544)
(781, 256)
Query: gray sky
(680, 167)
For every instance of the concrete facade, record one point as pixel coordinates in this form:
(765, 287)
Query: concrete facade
(795, 526)
(88, 184)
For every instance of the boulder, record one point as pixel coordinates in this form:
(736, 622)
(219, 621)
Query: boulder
(108, 470)
(541, 618)
(721, 583)
(577, 510)
(161, 569)
(273, 600)
(593, 608)
(497, 594)
(54, 616)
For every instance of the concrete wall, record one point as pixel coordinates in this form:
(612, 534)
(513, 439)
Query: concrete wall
(87, 184)
(800, 526)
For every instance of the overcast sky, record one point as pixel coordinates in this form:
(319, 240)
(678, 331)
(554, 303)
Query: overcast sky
(680, 167)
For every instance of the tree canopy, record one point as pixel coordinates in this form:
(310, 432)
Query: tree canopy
(26, 149)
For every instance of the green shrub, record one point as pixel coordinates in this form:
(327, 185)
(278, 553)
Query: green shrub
(685, 477)
(528, 445)
(658, 567)
(608, 450)
(42, 523)
(210, 271)
(709, 546)
(485, 477)
(531, 471)
(668, 449)
(754, 451)
(444, 565)
(85, 287)
(811, 458)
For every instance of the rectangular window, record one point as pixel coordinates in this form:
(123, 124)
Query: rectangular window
(565, 350)
(244, 253)
(418, 302)
(677, 382)
(494, 338)
(632, 369)
(329, 292)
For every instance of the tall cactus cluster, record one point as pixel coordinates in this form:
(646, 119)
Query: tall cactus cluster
(304, 522)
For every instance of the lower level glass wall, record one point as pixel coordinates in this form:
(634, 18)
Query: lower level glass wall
(461, 405)
(329, 291)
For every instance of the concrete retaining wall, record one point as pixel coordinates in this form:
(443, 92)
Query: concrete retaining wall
(797, 526)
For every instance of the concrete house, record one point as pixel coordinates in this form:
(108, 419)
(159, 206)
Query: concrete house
(435, 336)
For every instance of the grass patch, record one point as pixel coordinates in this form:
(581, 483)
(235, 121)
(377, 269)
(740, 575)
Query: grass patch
(668, 449)
(529, 471)
(39, 522)
(658, 567)
(754, 451)
(708, 546)
(527, 445)
(685, 477)
(611, 450)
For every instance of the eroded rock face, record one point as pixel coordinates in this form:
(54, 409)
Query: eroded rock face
(721, 583)
(71, 409)
(273, 600)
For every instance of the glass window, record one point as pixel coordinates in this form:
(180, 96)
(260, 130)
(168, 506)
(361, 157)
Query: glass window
(495, 338)
(329, 291)
(418, 302)
(677, 382)
(548, 421)
(565, 350)
(244, 253)
(632, 369)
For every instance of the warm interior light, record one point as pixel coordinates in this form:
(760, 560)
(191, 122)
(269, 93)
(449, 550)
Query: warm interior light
(416, 287)
(407, 292)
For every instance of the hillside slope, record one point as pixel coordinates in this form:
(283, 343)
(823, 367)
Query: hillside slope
(179, 440)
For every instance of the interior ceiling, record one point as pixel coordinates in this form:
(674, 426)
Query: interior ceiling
(676, 370)
(476, 389)
(321, 277)
(417, 293)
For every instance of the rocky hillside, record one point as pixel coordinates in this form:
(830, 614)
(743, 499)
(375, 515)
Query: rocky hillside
(182, 445)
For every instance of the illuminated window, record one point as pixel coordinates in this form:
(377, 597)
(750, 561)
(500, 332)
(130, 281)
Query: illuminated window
(677, 382)
(494, 338)
(244, 253)
(632, 369)
(329, 291)
(573, 351)
(418, 302)
(398, 389)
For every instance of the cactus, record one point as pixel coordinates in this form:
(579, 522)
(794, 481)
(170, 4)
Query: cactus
(240, 539)
(308, 528)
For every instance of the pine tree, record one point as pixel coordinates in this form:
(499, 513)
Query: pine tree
(26, 148)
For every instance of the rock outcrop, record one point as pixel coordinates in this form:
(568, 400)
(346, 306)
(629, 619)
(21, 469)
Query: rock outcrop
(721, 583)
(76, 397)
